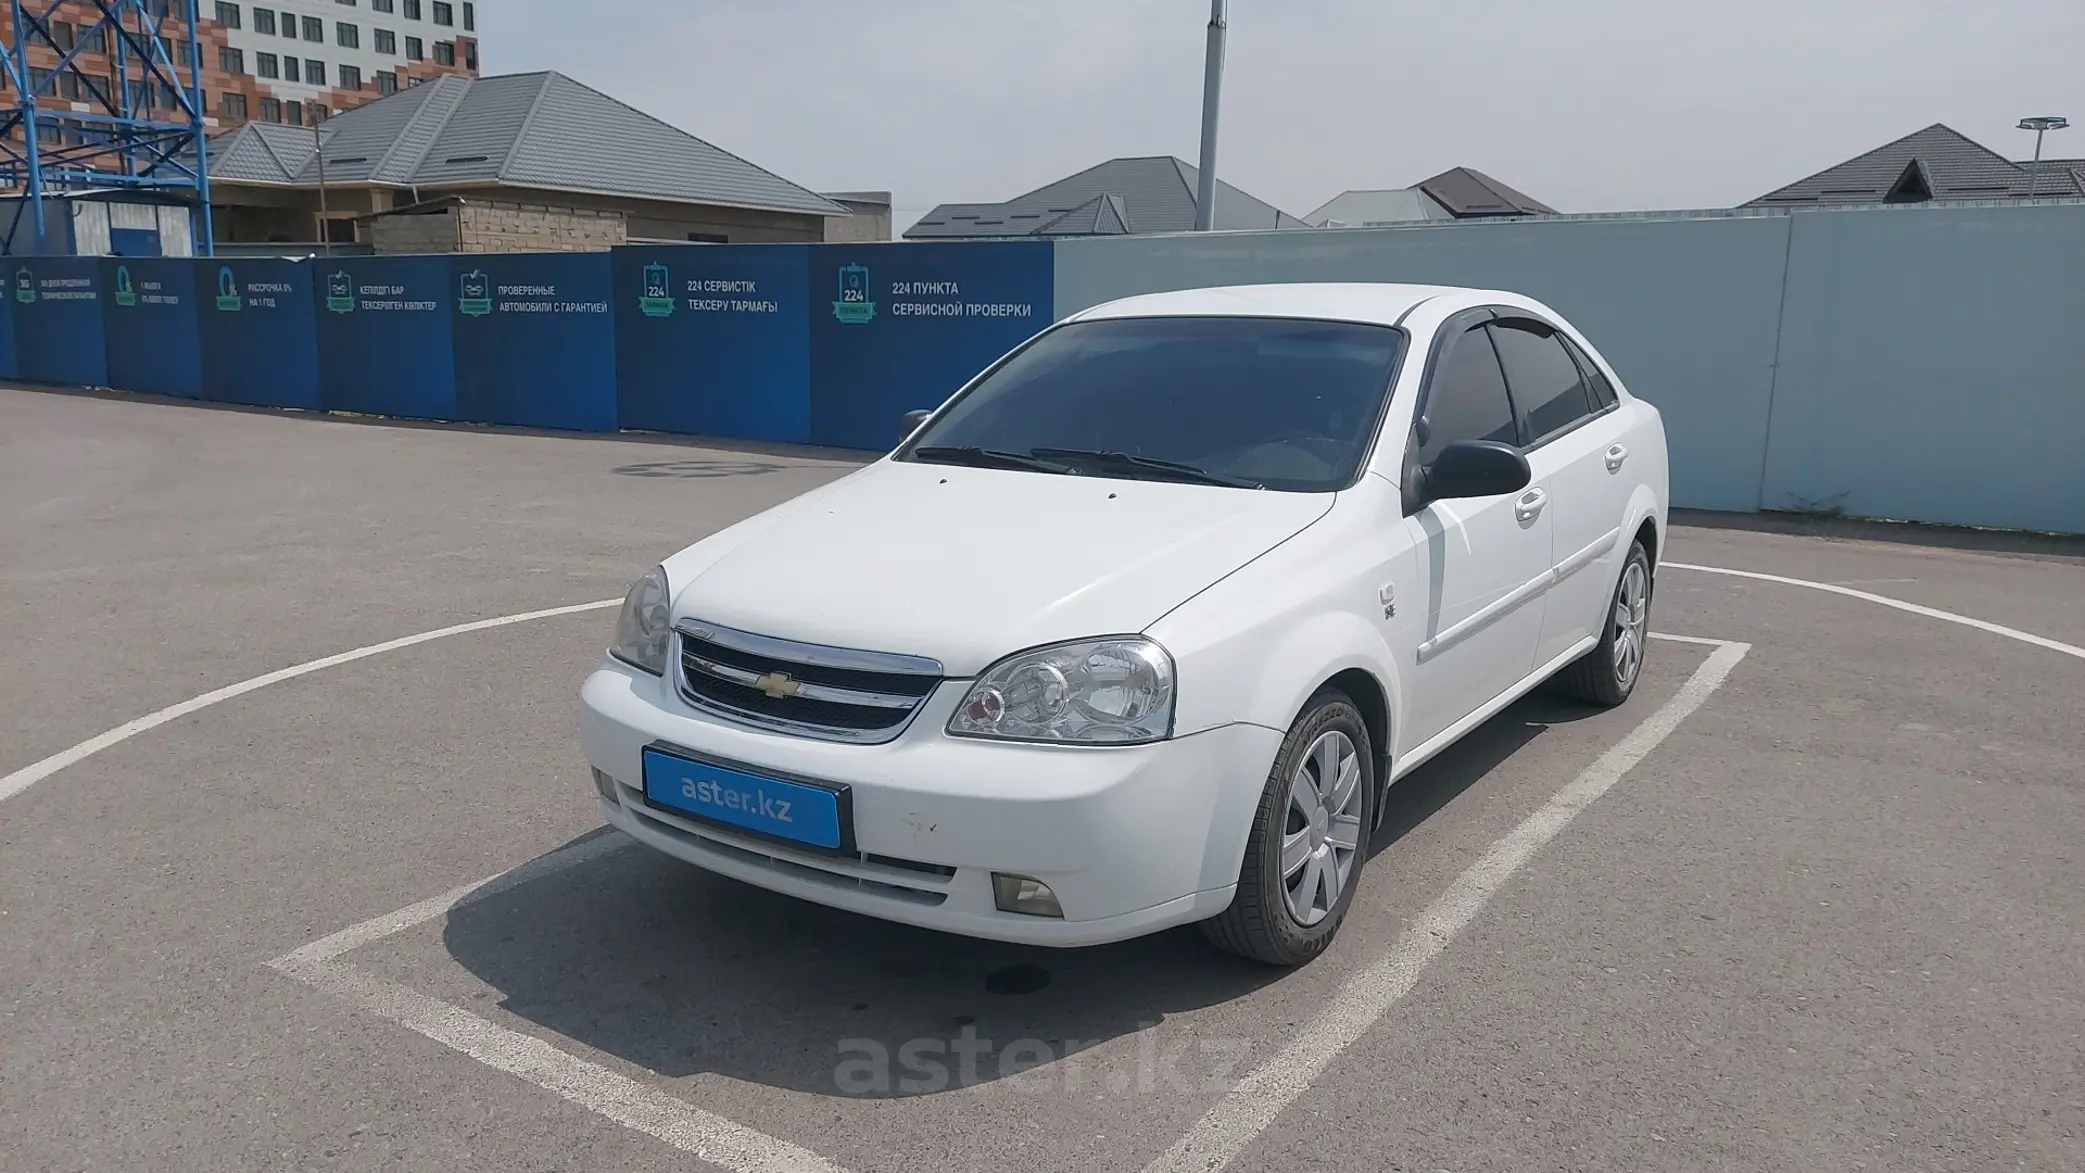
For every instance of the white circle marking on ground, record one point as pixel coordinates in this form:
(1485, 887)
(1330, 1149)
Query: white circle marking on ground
(30, 775)
(2040, 641)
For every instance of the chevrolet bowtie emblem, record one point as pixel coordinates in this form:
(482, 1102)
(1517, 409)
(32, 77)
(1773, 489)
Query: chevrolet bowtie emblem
(776, 685)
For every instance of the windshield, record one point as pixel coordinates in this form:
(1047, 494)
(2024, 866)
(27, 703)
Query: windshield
(1277, 403)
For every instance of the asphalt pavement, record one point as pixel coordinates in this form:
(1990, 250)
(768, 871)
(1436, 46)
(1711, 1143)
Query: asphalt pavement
(1815, 903)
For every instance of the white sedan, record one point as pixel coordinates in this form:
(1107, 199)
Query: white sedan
(1136, 629)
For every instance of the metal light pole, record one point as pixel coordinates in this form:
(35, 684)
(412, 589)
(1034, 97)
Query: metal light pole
(2040, 126)
(1212, 87)
(318, 150)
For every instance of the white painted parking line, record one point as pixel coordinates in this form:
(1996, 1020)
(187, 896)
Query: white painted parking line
(2026, 637)
(1701, 641)
(629, 1102)
(30, 775)
(1246, 1111)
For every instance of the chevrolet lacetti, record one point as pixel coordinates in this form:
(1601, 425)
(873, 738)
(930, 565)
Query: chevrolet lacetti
(1136, 629)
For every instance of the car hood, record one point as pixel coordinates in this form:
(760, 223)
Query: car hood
(966, 565)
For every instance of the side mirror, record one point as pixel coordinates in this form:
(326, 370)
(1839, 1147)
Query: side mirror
(910, 423)
(1476, 468)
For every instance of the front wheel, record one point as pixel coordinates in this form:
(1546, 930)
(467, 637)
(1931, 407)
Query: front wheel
(1309, 840)
(1607, 675)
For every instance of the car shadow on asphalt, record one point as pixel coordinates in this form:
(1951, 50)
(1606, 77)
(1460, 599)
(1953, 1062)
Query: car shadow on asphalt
(1416, 797)
(682, 972)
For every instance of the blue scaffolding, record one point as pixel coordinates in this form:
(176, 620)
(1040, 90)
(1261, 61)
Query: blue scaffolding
(137, 127)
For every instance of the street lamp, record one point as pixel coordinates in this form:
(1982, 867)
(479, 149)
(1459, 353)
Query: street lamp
(2040, 126)
(1212, 87)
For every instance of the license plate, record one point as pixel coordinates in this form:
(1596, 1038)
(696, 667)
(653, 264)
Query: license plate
(815, 816)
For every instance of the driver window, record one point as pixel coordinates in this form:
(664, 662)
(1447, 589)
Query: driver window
(1467, 400)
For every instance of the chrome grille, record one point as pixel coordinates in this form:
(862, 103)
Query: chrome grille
(837, 694)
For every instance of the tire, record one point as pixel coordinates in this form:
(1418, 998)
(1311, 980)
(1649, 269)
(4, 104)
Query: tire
(1607, 675)
(1263, 922)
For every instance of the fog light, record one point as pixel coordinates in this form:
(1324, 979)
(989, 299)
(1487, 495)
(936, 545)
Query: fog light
(1029, 897)
(606, 786)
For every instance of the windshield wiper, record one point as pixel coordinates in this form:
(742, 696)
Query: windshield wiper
(976, 457)
(1169, 469)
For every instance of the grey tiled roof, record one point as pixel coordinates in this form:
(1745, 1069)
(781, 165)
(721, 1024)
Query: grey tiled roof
(1467, 193)
(1951, 165)
(1136, 195)
(1354, 209)
(2056, 173)
(539, 130)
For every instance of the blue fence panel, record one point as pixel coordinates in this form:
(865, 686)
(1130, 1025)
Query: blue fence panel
(10, 358)
(385, 343)
(713, 340)
(57, 321)
(150, 323)
(895, 327)
(1933, 367)
(534, 340)
(259, 335)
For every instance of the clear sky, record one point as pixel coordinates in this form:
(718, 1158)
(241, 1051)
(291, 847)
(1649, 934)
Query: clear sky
(1588, 105)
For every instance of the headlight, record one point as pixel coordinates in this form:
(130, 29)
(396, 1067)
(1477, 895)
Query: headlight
(1096, 692)
(642, 629)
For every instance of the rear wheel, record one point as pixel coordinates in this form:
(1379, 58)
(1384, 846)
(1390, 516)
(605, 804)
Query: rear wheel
(1607, 675)
(1308, 841)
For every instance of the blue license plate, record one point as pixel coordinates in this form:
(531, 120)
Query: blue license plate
(811, 815)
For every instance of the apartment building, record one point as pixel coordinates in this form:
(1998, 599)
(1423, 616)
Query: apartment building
(287, 61)
(297, 61)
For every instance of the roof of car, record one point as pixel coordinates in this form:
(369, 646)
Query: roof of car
(1337, 301)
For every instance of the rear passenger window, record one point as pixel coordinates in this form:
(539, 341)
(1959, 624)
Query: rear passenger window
(1603, 390)
(1546, 383)
(1468, 398)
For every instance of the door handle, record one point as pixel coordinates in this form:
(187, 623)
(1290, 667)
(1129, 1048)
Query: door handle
(1530, 504)
(1615, 456)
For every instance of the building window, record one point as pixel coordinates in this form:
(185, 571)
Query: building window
(318, 113)
(386, 82)
(232, 106)
(314, 72)
(349, 36)
(444, 12)
(69, 85)
(470, 56)
(264, 21)
(470, 17)
(413, 50)
(46, 133)
(264, 64)
(350, 77)
(271, 110)
(291, 69)
(228, 14)
(94, 41)
(386, 41)
(289, 24)
(64, 35)
(140, 92)
(314, 29)
(445, 52)
(412, 9)
(381, 6)
(231, 60)
(293, 112)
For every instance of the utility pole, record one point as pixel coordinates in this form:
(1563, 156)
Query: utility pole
(1212, 89)
(318, 151)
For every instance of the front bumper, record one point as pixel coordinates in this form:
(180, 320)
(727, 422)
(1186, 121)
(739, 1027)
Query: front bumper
(1131, 839)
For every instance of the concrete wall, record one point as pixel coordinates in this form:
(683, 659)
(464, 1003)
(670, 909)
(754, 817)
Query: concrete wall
(1933, 368)
(1685, 310)
(1919, 364)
